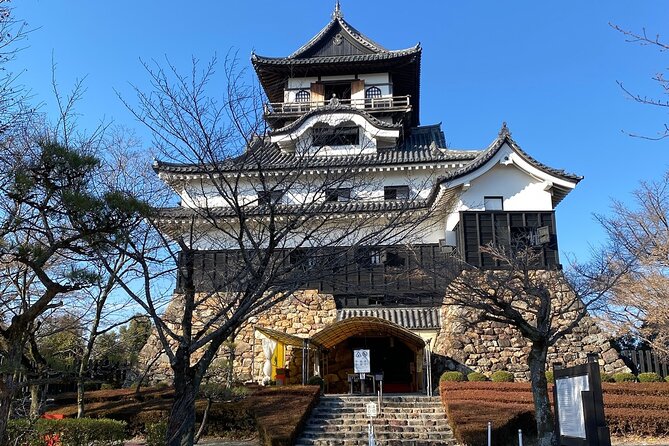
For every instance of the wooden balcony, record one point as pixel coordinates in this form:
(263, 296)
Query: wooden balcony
(388, 104)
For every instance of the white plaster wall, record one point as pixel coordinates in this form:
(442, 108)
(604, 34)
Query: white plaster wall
(521, 192)
(369, 186)
(301, 82)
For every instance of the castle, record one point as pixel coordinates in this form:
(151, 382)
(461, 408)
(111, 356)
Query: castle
(340, 99)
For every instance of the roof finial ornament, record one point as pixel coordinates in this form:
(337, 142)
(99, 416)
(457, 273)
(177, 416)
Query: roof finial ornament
(337, 11)
(504, 131)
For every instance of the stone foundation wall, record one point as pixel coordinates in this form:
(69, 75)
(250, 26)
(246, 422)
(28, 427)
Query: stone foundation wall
(484, 347)
(302, 314)
(489, 346)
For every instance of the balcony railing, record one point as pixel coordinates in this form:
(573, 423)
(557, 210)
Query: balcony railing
(390, 103)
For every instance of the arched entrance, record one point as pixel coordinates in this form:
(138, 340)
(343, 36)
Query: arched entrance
(394, 351)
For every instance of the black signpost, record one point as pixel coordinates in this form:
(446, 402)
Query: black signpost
(579, 406)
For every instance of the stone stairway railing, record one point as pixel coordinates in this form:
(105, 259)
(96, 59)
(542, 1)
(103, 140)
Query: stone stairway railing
(407, 420)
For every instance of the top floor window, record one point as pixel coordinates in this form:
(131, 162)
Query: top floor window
(302, 96)
(396, 193)
(373, 93)
(336, 136)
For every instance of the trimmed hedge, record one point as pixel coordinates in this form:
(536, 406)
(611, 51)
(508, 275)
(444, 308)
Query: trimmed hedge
(502, 376)
(649, 378)
(263, 411)
(631, 409)
(67, 432)
(476, 376)
(624, 378)
(452, 376)
(550, 377)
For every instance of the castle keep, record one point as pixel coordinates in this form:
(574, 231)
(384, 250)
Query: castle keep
(341, 99)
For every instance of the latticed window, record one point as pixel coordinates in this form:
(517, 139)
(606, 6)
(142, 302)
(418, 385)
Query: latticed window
(373, 93)
(302, 96)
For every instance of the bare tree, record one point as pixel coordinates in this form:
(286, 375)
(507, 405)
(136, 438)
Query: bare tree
(644, 39)
(641, 232)
(278, 227)
(544, 304)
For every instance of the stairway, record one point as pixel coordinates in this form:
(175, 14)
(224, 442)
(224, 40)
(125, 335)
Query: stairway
(406, 420)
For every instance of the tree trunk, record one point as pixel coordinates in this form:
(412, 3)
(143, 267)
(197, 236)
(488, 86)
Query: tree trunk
(80, 397)
(181, 423)
(35, 400)
(200, 431)
(542, 408)
(8, 387)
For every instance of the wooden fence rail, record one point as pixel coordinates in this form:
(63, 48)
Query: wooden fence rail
(645, 361)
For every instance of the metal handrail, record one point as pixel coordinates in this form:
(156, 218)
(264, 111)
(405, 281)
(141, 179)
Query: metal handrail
(375, 104)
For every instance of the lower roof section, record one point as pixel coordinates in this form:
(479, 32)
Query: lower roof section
(412, 318)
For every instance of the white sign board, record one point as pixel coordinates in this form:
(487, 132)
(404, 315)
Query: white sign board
(371, 410)
(361, 361)
(570, 405)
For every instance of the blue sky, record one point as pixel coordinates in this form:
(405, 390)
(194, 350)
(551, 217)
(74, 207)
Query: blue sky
(549, 69)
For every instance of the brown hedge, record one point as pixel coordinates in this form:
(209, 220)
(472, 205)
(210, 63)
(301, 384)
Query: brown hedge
(639, 409)
(264, 411)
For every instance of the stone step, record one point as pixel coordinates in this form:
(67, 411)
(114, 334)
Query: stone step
(405, 420)
(364, 442)
(397, 416)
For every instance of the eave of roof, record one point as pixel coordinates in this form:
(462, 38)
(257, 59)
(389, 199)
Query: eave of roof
(351, 208)
(279, 160)
(260, 61)
(487, 154)
(331, 110)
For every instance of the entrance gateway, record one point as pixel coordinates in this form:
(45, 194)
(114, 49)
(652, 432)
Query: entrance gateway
(400, 356)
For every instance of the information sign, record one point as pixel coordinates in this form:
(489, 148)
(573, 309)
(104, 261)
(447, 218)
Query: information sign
(372, 410)
(570, 405)
(361, 361)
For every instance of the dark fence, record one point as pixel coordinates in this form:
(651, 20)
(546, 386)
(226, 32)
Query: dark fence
(644, 361)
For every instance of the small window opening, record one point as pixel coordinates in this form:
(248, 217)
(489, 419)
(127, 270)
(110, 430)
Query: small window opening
(266, 197)
(393, 259)
(302, 96)
(373, 93)
(493, 203)
(335, 136)
(341, 194)
(396, 192)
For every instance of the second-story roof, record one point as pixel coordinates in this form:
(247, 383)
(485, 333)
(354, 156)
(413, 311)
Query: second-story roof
(423, 145)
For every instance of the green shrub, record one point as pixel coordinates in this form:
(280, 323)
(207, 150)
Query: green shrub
(108, 386)
(666, 378)
(452, 376)
(156, 433)
(649, 378)
(624, 378)
(502, 376)
(315, 381)
(69, 431)
(476, 376)
(550, 377)
(606, 377)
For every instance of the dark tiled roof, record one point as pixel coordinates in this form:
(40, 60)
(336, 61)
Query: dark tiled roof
(413, 318)
(390, 55)
(312, 209)
(423, 145)
(333, 110)
(338, 21)
(487, 154)
(427, 136)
